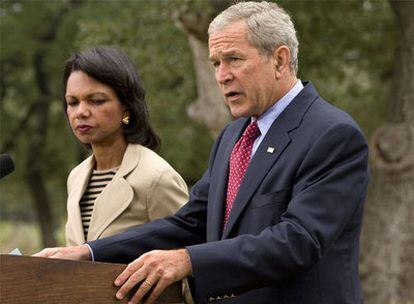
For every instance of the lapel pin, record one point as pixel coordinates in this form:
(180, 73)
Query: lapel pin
(270, 150)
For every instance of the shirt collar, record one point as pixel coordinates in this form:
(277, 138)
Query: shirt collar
(266, 120)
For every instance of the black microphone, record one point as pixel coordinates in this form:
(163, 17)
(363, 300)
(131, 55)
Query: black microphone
(6, 165)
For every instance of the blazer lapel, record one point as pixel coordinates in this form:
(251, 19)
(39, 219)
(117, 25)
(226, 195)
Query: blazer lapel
(74, 197)
(260, 164)
(219, 185)
(277, 138)
(116, 196)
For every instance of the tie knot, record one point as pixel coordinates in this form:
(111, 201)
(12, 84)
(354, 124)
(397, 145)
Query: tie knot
(252, 131)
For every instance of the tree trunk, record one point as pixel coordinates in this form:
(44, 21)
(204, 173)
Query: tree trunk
(208, 108)
(387, 245)
(35, 176)
(36, 181)
(35, 150)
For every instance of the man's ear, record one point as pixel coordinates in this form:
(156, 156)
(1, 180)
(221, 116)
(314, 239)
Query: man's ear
(281, 59)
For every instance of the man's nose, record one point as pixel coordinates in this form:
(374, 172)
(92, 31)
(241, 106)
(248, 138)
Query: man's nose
(223, 74)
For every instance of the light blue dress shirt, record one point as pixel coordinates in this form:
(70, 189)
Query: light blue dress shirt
(266, 120)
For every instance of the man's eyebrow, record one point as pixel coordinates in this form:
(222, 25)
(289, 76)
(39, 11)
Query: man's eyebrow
(224, 54)
(212, 58)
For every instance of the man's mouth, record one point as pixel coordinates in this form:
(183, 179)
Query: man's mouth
(231, 94)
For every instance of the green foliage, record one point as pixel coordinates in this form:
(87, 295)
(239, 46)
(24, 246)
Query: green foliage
(24, 24)
(164, 60)
(11, 237)
(346, 49)
(25, 236)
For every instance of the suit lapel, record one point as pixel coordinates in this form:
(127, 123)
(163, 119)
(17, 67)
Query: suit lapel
(77, 189)
(260, 164)
(278, 138)
(216, 211)
(116, 196)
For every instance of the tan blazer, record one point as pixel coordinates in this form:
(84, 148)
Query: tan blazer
(144, 188)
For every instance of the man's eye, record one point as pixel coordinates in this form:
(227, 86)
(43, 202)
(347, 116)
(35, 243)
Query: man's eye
(233, 58)
(216, 63)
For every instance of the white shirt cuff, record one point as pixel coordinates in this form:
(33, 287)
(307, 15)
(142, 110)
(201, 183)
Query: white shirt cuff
(91, 252)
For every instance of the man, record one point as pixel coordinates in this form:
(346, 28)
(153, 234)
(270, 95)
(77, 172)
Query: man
(277, 215)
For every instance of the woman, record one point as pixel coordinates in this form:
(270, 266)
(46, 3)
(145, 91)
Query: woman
(124, 182)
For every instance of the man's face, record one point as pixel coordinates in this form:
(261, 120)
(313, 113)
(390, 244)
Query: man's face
(245, 76)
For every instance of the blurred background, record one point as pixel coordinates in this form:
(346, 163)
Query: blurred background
(359, 54)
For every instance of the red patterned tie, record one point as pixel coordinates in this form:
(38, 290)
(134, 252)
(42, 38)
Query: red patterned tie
(239, 161)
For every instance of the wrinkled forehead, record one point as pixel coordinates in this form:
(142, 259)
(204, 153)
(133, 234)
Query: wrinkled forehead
(233, 36)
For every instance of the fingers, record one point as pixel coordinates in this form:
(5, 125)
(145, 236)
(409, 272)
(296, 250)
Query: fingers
(144, 289)
(140, 272)
(128, 271)
(59, 254)
(131, 276)
(47, 252)
(151, 289)
(157, 291)
(153, 272)
(70, 253)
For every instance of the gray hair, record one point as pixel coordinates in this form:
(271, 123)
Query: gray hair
(269, 27)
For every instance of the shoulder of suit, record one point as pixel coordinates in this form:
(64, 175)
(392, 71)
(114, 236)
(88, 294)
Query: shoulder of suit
(326, 114)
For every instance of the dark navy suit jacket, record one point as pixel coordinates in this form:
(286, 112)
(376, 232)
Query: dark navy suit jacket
(293, 233)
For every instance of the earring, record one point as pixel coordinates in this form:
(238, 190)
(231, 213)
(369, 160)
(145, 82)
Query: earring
(125, 120)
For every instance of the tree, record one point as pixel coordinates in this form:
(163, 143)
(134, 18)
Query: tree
(163, 58)
(351, 70)
(35, 98)
(388, 240)
(209, 109)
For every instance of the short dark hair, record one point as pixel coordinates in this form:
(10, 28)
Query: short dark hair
(114, 68)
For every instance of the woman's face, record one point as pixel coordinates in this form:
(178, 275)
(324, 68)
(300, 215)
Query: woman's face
(95, 113)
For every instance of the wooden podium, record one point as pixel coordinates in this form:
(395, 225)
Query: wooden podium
(25, 279)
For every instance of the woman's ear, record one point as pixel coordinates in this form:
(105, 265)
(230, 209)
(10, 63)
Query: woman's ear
(125, 117)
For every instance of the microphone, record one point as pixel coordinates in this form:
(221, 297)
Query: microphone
(6, 165)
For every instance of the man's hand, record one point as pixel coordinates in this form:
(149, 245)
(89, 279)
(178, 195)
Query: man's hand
(80, 252)
(154, 271)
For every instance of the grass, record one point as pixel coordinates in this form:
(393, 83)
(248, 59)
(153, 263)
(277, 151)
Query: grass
(25, 236)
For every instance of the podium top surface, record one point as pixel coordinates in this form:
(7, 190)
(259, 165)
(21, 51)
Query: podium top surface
(26, 279)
